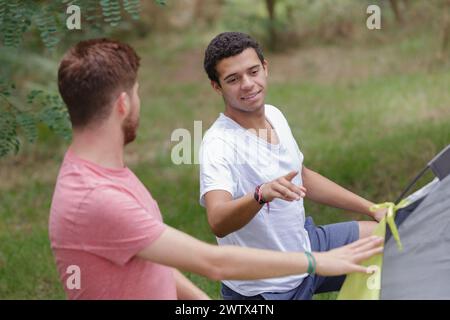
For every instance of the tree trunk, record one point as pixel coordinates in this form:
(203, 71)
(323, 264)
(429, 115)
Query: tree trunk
(446, 28)
(397, 12)
(270, 5)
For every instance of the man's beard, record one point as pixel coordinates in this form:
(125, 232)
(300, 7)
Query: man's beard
(129, 129)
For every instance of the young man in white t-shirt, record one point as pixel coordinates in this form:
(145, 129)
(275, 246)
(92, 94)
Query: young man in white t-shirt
(253, 181)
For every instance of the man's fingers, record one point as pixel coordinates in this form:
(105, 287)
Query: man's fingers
(285, 193)
(358, 243)
(367, 254)
(293, 188)
(358, 268)
(284, 189)
(291, 175)
(361, 242)
(369, 245)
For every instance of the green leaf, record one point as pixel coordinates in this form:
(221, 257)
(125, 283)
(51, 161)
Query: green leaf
(111, 11)
(33, 94)
(56, 117)
(8, 136)
(132, 7)
(46, 23)
(27, 122)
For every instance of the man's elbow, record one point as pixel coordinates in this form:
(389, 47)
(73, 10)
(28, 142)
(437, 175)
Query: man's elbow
(218, 230)
(216, 265)
(211, 263)
(217, 225)
(216, 274)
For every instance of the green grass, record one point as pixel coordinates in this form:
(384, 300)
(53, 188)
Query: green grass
(369, 131)
(27, 267)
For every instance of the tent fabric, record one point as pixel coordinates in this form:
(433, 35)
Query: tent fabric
(396, 271)
(362, 286)
(414, 201)
(422, 269)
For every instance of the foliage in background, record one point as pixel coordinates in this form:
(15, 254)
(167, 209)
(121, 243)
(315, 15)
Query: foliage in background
(23, 110)
(284, 24)
(358, 106)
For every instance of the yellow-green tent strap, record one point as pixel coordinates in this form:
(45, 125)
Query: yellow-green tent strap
(365, 286)
(368, 286)
(390, 216)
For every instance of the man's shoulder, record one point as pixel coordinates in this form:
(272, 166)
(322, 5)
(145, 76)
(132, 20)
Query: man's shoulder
(277, 117)
(271, 108)
(220, 131)
(79, 178)
(272, 111)
(76, 181)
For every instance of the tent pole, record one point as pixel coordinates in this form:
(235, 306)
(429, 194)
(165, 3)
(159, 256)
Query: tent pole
(421, 173)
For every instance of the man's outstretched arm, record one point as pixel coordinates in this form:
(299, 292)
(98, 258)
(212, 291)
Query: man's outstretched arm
(179, 250)
(325, 191)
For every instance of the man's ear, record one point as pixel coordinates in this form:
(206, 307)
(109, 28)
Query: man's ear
(123, 104)
(266, 67)
(216, 86)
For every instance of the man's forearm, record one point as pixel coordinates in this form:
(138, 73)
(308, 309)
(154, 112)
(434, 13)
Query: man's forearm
(232, 215)
(186, 290)
(325, 191)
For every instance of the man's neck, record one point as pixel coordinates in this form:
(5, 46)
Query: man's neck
(254, 121)
(99, 146)
(248, 120)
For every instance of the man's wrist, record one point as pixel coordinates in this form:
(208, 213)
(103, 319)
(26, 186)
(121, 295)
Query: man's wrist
(311, 263)
(258, 195)
(366, 209)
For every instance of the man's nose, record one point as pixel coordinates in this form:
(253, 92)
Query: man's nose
(246, 82)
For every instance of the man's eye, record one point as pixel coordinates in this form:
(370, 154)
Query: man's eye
(255, 71)
(231, 80)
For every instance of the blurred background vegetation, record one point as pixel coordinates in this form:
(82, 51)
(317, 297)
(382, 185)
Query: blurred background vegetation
(369, 108)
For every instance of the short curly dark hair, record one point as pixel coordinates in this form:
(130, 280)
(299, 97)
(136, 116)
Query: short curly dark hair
(227, 44)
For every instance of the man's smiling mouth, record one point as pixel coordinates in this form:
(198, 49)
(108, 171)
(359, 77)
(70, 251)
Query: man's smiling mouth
(251, 96)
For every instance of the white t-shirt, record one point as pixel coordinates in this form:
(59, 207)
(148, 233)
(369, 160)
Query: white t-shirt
(236, 160)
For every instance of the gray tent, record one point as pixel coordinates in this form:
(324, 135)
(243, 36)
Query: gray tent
(422, 269)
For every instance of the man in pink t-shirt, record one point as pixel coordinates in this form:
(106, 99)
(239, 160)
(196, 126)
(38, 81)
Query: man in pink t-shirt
(100, 219)
(106, 231)
(101, 214)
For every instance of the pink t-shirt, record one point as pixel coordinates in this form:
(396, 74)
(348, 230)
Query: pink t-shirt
(100, 219)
